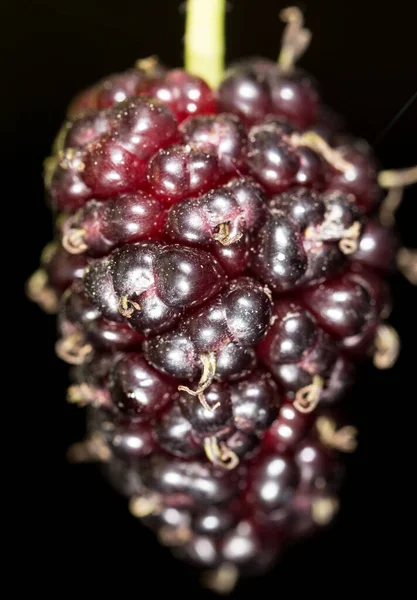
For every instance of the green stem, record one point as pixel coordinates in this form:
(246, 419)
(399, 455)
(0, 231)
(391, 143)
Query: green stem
(204, 39)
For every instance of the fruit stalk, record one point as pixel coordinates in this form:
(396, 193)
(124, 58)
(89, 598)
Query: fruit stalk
(295, 39)
(204, 40)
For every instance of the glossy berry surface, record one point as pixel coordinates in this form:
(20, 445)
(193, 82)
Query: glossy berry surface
(189, 482)
(288, 429)
(377, 247)
(150, 284)
(116, 161)
(224, 220)
(115, 88)
(243, 445)
(182, 171)
(294, 97)
(360, 179)
(200, 552)
(222, 135)
(173, 433)
(63, 269)
(241, 546)
(273, 482)
(239, 204)
(132, 440)
(312, 170)
(118, 88)
(137, 390)
(271, 158)
(256, 402)
(207, 422)
(184, 94)
(238, 317)
(66, 188)
(78, 314)
(219, 271)
(296, 349)
(214, 521)
(258, 88)
(317, 469)
(351, 308)
(78, 132)
(343, 307)
(99, 227)
(305, 237)
(244, 93)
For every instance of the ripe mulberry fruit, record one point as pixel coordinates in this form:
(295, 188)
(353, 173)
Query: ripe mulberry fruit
(218, 271)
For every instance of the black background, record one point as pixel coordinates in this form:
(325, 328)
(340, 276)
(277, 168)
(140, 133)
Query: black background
(70, 523)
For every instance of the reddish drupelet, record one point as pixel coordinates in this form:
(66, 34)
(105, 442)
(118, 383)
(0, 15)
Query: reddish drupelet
(99, 227)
